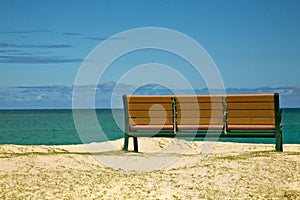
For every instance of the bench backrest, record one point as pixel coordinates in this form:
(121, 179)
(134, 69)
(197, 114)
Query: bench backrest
(203, 112)
(200, 112)
(252, 112)
(149, 112)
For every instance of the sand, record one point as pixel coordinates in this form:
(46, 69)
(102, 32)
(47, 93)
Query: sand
(163, 169)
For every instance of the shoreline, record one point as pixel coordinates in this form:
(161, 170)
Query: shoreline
(163, 169)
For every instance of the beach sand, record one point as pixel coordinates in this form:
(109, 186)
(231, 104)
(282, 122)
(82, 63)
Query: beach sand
(163, 169)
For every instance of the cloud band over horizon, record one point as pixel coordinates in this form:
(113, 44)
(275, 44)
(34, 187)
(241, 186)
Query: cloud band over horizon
(60, 97)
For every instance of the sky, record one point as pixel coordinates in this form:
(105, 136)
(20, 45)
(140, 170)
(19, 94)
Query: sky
(253, 43)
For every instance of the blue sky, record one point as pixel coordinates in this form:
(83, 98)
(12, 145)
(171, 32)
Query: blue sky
(253, 43)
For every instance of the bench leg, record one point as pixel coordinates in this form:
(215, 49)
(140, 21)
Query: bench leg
(279, 146)
(135, 144)
(126, 141)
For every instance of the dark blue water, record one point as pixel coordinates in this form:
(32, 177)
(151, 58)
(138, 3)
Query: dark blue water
(50, 127)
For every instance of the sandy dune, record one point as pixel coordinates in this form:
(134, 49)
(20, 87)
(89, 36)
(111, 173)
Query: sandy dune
(163, 169)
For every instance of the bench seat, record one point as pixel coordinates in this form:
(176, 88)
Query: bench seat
(200, 127)
(250, 127)
(151, 127)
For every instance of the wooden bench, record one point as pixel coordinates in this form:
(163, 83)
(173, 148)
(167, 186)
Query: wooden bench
(255, 116)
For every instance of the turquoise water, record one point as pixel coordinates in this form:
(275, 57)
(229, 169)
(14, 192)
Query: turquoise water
(50, 127)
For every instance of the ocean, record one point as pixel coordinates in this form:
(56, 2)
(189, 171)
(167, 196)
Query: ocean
(57, 127)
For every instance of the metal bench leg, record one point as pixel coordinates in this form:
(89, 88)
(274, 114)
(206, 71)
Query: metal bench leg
(279, 146)
(135, 144)
(126, 141)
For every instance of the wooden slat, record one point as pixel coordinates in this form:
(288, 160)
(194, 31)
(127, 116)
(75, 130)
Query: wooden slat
(250, 121)
(151, 127)
(152, 113)
(268, 105)
(202, 121)
(152, 99)
(197, 106)
(250, 113)
(251, 127)
(250, 98)
(200, 127)
(198, 99)
(149, 121)
(149, 106)
(200, 113)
